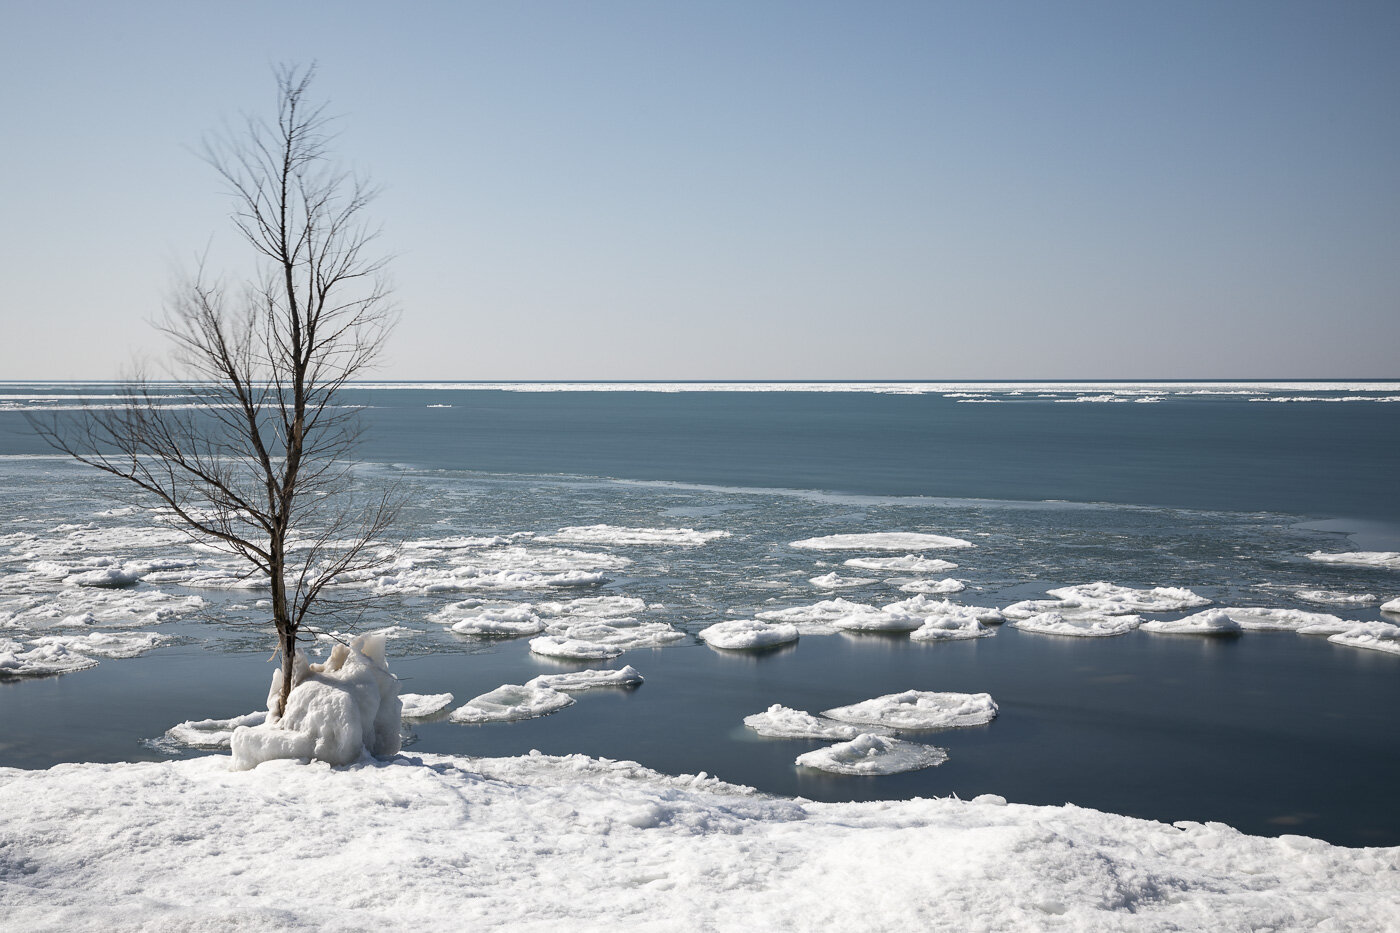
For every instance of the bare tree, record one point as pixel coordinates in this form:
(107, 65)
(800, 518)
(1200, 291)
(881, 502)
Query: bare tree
(261, 467)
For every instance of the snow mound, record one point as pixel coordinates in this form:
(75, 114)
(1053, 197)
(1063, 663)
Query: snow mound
(1378, 636)
(210, 733)
(911, 563)
(575, 681)
(612, 534)
(422, 705)
(934, 587)
(1389, 560)
(512, 702)
(573, 649)
(748, 635)
(1209, 622)
(869, 754)
(338, 712)
(1084, 626)
(1125, 599)
(783, 722)
(920, 709)
(834, 581)
(881, 541)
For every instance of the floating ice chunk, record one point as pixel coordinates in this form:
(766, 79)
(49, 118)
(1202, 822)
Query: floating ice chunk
(1391, 606)
(818, 619)
(466, 579)
(834, 581)
(1125, 599)
(951, 627)
(20, 660)
(909, 562)
(573, 649)
(106, 644)
(510, 703)
(748, 635)
(1335, 597)
(783, 722)
(542, 560)
(1389, 560)
(493, 619)
(893, 618)
(596, 606)
(210, 733)
(337, 712)
(575, 681)
(422, 705)
(934, 587)
(1378, 636)
(881, 541)
(459, 542)
(920, 709)
(1209, 622)
(612, 534)
(1088, 626)
(87, 606)
(921, 605)
(869, 754)
(111, 577)
(1260, 619)
(624, 634)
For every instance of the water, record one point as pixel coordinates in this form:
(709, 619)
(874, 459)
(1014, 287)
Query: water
(1270, 732)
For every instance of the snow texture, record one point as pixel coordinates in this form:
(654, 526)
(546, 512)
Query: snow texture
(920, 710)
(1209, 622)
(748, 635)
(869, 754)
(912, 563)
(1084, 626)
(783, 722)
(612, 534)
(881, 541)
(1389, 560)
(512, 702)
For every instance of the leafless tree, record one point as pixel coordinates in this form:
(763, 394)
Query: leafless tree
(261, 467)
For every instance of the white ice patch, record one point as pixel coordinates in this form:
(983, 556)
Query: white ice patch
(338, 712)
(1391, 606)
(93, 607)
(510, 703)
(20, 660)
(541, 560)
(920, 709)
(494, 618)
(1378, 636)
(624, 634)
(462, 542)
(834, 581)
(422, 705)
(594, 606)
(1335, 597)
(748, 635)
(615, 535)
(783, 722)
(1083, 626)
(1209, 622)
(817, 619)
(210, 733)
(912, 563)
(106, 644)
(1260, 619)
(1109, 597)
(467, 579)
(1388, 560)
(573, 649)
(934, 587)
(576, 681)
(952, 626)
(869, 754)
(881, 541)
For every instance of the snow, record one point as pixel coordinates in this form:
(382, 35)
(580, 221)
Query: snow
(934, 587)
(209, 733)
(597, 606)
(612, 534)
(819, 618)
(920, 709)
(338, 712)
(834, 581)
(881, 541)
(626, 676)
(541, 560)
(911, 563)
(1261, 619)
(783, 722)
(490, 618)
(1389, 560)
(511, 702)
(422, 705)
(573, 649)
(1125, 599)
(1391, 606)
(1057, 623)
(106, 644)
(1378, 636)
(748, 635)
(541, 842)
(1209, 622)
(952, 626)
(18, 659)
(1335, 597)
(869, 754)
(468, 578)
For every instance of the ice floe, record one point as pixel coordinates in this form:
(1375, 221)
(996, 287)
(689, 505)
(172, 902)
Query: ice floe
(78, 606)
(1207, 622)
(816, 619)
(613, 534)
(209, 733)
(920, 710)
(881, 541)
(595, 606)
(834, 581)
(783, 722)
(422, 705)
(933, 587)
(1334, 597)
(1088, 626)
(1378, 636)
(1391, 605)
(1261, 619)
(952, 626)
(511, 702)
(1125, 599)
(490, 618)
(912, 563)
(574, 681)
(1389, 560)
(18, 659)
(541, 560)
(869, 754)
(748, 635)
(467, 579)
(573, 649)
(106, 644)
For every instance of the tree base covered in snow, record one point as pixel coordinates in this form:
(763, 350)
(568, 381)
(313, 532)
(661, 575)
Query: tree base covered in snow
(541, 842)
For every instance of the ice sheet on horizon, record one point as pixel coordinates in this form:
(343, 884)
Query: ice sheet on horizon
(869, 754)
(1377, 636)
(1082, 626)
(918, 710)
(622, 536)
(881, 541)
(748, 635)
(510, 703)
(783, 722)
(1390, 560)
(911, 563)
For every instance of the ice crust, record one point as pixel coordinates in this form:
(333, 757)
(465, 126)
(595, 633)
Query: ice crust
(575, 681)
(512, 702)
(1378, 636)
(210, 733)
(920, 710)
(615, 535)
(869, 754)
(783, 722)
(338, 712)
(1209, 622)
(422, 705)
(911, 563)
(1084, 626)
(881, 541)
(1389, 560)
(748, 635)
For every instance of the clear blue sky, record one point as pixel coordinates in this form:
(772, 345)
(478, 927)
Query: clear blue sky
(730, 190)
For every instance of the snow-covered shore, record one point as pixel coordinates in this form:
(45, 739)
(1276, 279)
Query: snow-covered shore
(541, 842)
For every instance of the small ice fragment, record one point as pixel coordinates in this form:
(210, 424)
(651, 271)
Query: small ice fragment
(574, 681)
(1335, 597)
(881, 541)
(1055, 623)
(989, 800)
(869, 754)
(911, 563)
(782, 722)
(834, 581)
(1378, 636)
(1209, 622)
(748, 635)
(1391, 606)
(512, 702)
(211, 733)
(1389, 560)
(421, 705)
(612, 534)
(573, 649)
(920, 709)
(934, 587)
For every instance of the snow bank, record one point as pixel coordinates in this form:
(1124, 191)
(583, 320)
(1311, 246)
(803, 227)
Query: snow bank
(784, 722)
(869, 754)
(338, 712)
(1084, 626)
(1210, 622)
(512, 702)
(1378, 636)
(881, 541)
(541, 843)
(1389, 560)
(612, 534)
(626, 676)
(748, 635)
(920, 709)
(911, 563)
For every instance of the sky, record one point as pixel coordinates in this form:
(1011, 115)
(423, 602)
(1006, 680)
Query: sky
(658, 190)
